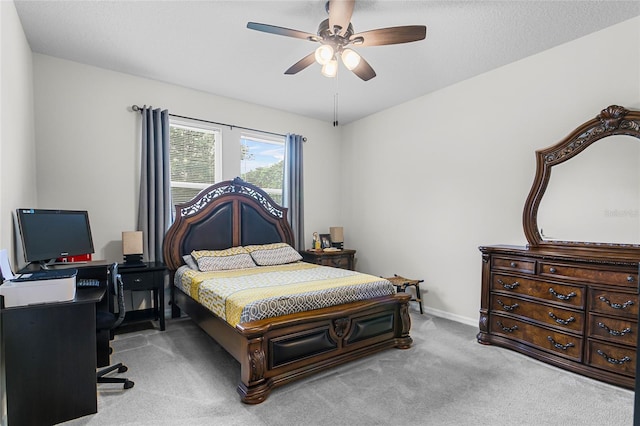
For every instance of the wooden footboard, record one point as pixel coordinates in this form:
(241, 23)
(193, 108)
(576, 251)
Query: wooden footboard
(275, 351)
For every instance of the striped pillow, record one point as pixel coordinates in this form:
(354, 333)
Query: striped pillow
(273, 254)
(219, 260)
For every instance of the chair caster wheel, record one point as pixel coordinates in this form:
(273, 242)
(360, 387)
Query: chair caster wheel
(128, 384)
(122, 369)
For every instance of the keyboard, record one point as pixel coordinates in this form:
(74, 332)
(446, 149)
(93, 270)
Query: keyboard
(87, 282)
(49, 274)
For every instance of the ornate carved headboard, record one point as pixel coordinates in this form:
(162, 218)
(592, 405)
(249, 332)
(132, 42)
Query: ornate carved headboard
(227, 214)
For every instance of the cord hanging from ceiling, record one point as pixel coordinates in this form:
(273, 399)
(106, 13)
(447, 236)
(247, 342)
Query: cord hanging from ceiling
(335, 104)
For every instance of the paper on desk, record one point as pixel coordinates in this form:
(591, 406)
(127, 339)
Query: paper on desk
(5, 268)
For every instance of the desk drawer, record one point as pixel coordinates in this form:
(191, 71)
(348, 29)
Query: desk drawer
(139, 281)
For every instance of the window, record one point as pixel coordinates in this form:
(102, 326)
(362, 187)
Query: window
(262, 163)
(194, 158)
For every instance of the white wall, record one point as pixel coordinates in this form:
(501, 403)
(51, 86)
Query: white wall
(434, 178)
(88, 144)
(17, 149)
(17, 144)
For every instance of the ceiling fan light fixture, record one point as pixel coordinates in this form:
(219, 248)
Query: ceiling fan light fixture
(324, 54)
(350, 59)
(330, 69)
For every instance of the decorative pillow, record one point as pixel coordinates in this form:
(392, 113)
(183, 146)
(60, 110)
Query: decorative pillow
(190, 261)
(273, 254)
(218, 260)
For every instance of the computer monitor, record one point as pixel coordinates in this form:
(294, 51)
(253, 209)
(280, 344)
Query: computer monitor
(50, 234)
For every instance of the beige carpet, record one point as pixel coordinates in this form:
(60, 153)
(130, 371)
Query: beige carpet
(182, 377)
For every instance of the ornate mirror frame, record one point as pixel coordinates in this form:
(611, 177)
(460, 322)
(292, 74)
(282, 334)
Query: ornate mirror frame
(614, 120)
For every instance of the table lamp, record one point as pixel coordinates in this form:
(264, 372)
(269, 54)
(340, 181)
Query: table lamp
(132, 247)
(337, 236)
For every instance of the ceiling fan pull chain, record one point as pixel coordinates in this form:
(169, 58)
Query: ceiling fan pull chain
(335, 105)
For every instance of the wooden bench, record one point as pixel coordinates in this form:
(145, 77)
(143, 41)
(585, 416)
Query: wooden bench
(401, 284)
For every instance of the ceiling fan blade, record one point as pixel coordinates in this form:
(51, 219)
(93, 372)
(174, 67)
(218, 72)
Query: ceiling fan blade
(340, 12)
(272, 29)
(391, 35)
(364, 70)
(302, 64)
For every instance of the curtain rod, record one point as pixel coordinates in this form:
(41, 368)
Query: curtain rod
(231, 126)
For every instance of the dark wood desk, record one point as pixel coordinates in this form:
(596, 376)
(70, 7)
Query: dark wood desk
(49, 359)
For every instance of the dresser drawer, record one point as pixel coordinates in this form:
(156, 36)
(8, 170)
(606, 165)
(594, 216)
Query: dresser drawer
(614, 358)
(514, 264)
(614, 330)
(566, 294)
(589, 275)
(559, 343)
(614, 303)
(546, 314)
(138, 281)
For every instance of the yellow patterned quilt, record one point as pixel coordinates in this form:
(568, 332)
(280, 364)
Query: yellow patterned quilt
(250, 294)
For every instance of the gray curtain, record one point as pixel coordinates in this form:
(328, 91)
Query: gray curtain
(293, 188)
(154, 212)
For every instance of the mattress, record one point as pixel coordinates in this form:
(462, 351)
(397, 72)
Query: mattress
(243, 295)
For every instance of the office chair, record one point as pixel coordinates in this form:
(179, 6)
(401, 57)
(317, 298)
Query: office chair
(106, 320)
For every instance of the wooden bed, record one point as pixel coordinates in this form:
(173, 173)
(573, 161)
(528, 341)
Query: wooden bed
(274, 351)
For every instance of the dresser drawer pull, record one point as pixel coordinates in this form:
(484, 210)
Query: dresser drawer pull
(615, 332)
(137, 280)
(507, 329)
(558, 345)
(625, 305)
(508, 286)
(507, 308)
(630, 278)
(562, 296)
(560, 320)
(513, 264)
(552, 270)
(613, 360)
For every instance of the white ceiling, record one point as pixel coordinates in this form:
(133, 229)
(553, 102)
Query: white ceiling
(205, 45)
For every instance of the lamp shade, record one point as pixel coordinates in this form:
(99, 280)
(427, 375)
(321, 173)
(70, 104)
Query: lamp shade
(324, 54)
(132, 242)
(330, 69)
(337, 234)
(350, 59)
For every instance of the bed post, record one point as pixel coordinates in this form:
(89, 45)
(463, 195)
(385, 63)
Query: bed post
(253, 387)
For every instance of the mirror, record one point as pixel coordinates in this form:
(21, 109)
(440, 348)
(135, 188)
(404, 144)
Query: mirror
(586, 193)
(596, 195)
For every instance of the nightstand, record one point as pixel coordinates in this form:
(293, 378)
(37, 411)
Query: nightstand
(145, 278)
(344, 259)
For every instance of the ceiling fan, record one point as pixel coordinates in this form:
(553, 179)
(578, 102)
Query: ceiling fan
(336, 34)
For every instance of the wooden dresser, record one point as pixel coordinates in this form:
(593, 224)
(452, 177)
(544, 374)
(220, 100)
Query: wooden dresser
(571, 300)
(571, 311)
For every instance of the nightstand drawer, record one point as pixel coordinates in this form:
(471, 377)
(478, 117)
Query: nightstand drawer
(336, 259)
(138, 281)
(337, 262)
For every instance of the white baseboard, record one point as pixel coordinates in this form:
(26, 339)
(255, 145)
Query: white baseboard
(453, 317)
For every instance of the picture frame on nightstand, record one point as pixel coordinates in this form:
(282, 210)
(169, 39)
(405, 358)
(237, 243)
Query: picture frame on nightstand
(325, 240)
